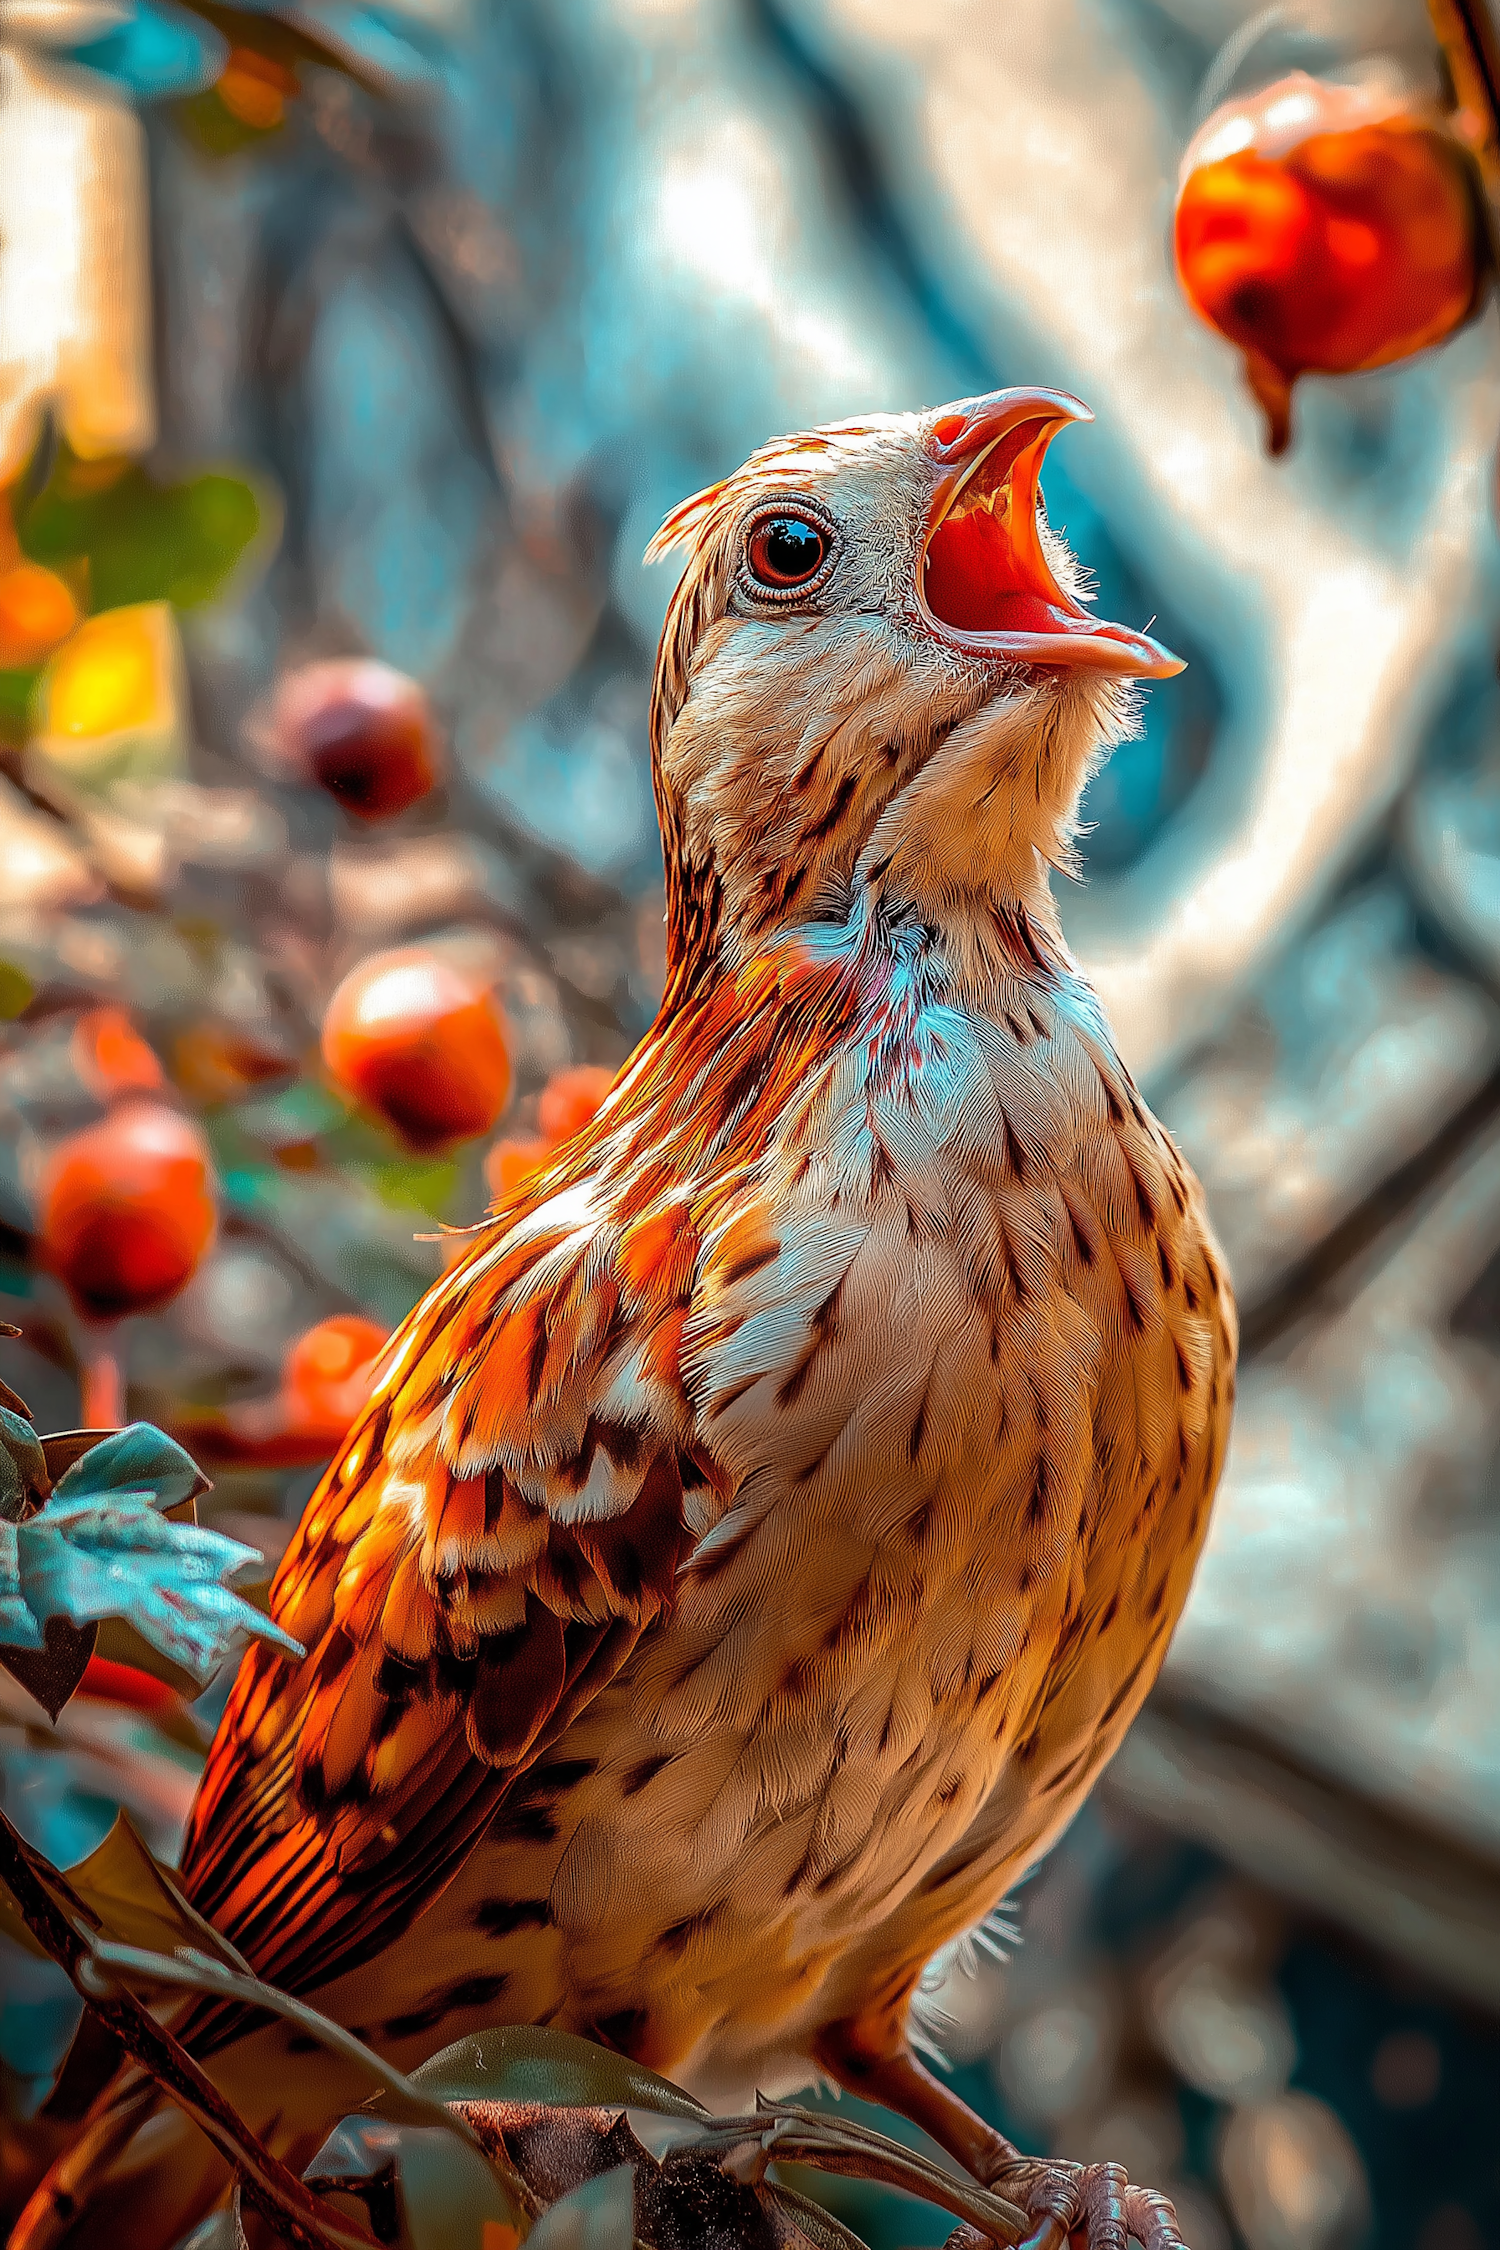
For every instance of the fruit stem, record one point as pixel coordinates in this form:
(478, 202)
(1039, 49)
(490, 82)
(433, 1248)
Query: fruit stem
(1466, 33)
(101, 1381)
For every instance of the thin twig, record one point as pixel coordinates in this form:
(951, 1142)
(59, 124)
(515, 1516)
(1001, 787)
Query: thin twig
(790, 2135)
(1466, 33)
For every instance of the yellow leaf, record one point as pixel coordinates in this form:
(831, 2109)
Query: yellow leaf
(110, 703)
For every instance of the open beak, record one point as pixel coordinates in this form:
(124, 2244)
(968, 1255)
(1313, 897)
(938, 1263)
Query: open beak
(984, 584)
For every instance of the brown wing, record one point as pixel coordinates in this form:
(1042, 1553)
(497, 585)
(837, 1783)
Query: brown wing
(504, 1522)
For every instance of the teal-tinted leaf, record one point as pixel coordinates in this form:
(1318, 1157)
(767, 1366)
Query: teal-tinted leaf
(600, 2215)
(448, 2191)
(23, 1466)
(530, 2063)
(18, 1628)
(89, 1558)
(139, 1458)
(156, 54)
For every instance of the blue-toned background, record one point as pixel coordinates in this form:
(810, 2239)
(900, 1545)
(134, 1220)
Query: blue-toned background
(509, 279)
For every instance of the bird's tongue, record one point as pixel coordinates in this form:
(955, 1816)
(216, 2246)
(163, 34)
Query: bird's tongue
(984, 570)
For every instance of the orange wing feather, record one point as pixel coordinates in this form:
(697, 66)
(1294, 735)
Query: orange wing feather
(455, 1617)
(506, 1518)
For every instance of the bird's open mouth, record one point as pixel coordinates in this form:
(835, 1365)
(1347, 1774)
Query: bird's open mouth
(985, 584)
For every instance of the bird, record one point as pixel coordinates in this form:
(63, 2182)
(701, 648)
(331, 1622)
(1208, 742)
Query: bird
(764, 1532)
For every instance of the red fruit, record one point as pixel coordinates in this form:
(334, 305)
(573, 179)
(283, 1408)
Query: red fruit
(418, 1039)
(570, 1098)
(1326, 228)
(111, 1682)
(328, 1373)
(126, 1210)
(509, 1164)
(362, 731)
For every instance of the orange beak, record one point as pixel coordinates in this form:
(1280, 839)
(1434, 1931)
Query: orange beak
(984, 584)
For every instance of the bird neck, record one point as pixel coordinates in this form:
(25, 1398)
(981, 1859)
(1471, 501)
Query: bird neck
(838, 819)
(968, 847)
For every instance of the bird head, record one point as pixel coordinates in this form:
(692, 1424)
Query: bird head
(879, 668)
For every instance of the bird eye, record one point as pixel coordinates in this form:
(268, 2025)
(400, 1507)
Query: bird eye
(786, 551)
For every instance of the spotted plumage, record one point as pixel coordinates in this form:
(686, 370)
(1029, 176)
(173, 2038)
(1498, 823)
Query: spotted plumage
(764, 1532)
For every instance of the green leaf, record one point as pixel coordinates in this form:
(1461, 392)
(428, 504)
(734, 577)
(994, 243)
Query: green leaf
(143, 541)
(820, 2226)
(361, 2146)
(139, 1458)
(96, 1557)
(600, 2215)
(16, 988)
(531, 2063)
(16, 691)
(407, 1186)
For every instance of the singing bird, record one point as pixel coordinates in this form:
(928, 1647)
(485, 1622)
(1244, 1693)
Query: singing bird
(762, 1535)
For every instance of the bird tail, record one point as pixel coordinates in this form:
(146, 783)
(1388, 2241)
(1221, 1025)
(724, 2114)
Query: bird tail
(139, 2176)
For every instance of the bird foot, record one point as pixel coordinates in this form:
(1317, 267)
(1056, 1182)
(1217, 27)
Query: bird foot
(1091, 2206)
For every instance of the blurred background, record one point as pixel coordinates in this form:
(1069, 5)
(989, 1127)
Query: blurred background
(348, 358)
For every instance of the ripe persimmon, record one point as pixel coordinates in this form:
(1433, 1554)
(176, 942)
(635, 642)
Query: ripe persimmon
(1326, 229)
(421, 1042)
(126, 1210)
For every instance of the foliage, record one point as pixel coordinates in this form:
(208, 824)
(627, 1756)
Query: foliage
(140, 540)
(517, 2133)
(101, 1542)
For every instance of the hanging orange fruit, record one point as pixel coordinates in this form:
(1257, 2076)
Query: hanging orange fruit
(570, 1100)
(1327, 228)
(421, 1041)
(511, 1163)
(328, 1373)
(126, 1210)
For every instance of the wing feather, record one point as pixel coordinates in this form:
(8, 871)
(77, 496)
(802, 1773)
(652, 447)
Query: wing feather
(503, 1523)
(509, 1516)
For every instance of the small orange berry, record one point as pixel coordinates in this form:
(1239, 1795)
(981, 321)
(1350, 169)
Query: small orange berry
(112, 1058)
(420, 1041)
(328, 1374)
(126, 1210)
(570, 1099)
(36, 613)
(509, 1164)
(255, 89)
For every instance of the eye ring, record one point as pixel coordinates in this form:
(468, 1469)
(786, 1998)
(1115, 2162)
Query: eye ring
(787, 553)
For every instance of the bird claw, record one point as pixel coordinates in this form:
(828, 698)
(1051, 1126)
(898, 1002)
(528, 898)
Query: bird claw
(1093, 2206)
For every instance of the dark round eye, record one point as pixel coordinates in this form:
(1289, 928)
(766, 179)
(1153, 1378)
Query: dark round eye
(787, 550)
